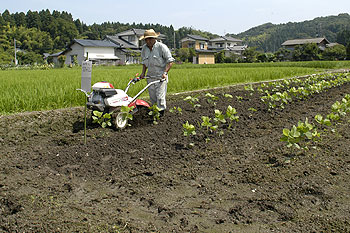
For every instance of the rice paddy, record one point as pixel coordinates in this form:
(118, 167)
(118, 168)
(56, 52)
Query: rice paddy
(33, 90)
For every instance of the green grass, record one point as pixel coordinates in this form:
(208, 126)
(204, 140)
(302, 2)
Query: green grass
(31, 90)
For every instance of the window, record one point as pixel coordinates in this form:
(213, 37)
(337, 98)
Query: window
(131, 38)
(201, 45)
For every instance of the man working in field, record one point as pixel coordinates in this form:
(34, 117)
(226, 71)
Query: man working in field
(157, 59)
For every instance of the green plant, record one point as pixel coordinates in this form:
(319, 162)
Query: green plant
(249, 88)
(323, 121)
(207, 124)
(189, 129)
(103, 119)
(154, 113)
(231, 115)
(228, 96)
(239, 98)
(174, 109)
(297, 135)
(126, 113)
(193, 101)
(219, 117)
(211, 98)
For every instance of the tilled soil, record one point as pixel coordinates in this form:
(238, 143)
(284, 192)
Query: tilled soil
(150, 178)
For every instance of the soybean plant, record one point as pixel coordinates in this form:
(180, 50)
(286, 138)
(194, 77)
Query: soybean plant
(193, 101)
(154, 112)
(103, 119)
(211, 98)
(298, 134)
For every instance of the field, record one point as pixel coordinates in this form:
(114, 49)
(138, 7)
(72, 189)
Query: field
(151, 178)
(33, 90)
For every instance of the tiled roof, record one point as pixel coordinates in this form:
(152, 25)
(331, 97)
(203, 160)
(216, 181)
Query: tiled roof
(95, 43)
(137, 32)
(305, 41)
(122, 43)
(196, 37)
(133, 31)
(225, 38)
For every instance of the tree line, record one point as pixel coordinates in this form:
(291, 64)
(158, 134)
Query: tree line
(42, 32)
(36, 33)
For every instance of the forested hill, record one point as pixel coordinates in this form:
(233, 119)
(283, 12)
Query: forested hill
(48, 32)
(269, 37)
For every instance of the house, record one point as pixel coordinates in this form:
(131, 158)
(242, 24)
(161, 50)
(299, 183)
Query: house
(53, 57)
(97, 51)
(227, 44)
(200, 45)
(129, 45)
(321, 43)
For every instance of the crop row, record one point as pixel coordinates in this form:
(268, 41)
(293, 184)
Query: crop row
(300, 135)
(285, 91)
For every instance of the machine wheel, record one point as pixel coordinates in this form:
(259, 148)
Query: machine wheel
(120, 120)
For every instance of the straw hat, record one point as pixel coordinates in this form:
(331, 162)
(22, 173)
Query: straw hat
(150, 34)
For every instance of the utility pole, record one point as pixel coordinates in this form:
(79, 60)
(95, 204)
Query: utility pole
(14, 42)
(174, 41)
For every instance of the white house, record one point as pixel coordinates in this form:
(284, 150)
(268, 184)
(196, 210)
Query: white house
(129, 44)
(228, 44)
(97, 51)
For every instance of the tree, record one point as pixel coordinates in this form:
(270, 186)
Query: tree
(183, 54)
(348, 51)
(282, 54)
(220, 57)
(306, 52)
(250, 54)
(8, 18)
(33, 19)
(20, 19)
(61, 60)
(336, 52)
(343, 37)
(29, 58)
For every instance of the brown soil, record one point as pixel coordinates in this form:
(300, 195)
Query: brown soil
(147, 178)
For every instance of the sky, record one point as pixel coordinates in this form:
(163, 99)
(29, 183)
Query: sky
(215, 16)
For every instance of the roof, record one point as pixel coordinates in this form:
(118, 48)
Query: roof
(95, 43)
(121, 42)
(56, 54)
(225, 38)
(137, 32)
(132, 31)
(194, 37)
(305, 41)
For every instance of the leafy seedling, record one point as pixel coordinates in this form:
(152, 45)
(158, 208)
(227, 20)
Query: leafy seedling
(211, 98)
(103, 119)
(193, 101)
(176, 109)
(189, 129)
(154, 113)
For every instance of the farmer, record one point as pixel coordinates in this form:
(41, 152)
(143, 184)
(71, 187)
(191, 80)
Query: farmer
(157, 59)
